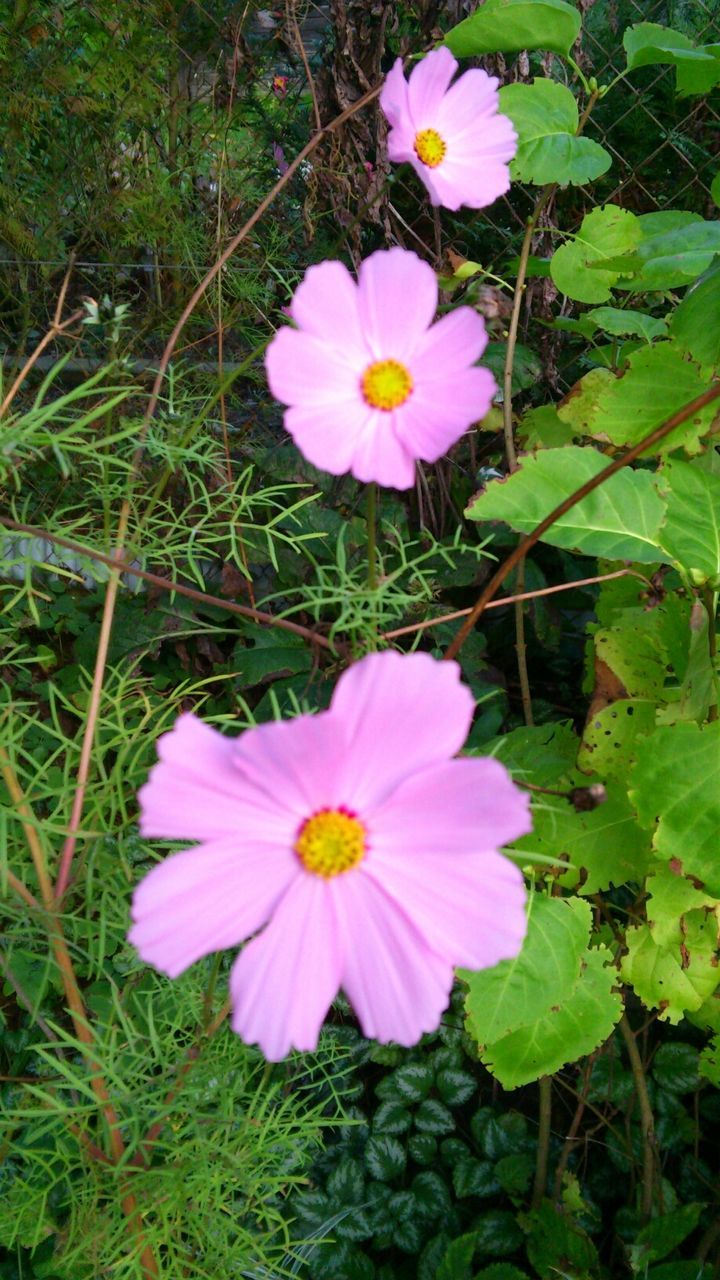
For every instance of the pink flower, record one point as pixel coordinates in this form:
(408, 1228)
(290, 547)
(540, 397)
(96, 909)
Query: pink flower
(454, 138)
(350, 843)
(371, 382)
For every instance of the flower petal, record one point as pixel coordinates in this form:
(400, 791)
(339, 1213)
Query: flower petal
(457, 806)
(196, 792)
(428, 85)
(474, 96)
(327, 435)
(397, 986)
(469, 908)
(206, 899)
(399, 713)
(454, 343)
(394, 100)
(283, 982)
(297, 765)
(302, 369)
(325, 304)
(397, 297)
(380, 455)
(475, 183)
(439, 413)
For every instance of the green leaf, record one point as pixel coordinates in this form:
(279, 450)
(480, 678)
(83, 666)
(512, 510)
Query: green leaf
(675, 1067)
(605, 846)
(527, 366)
(407, 1224)
(669, 260)
(670, 897)
(507, 26)
(677, 976)
(473, 1177)
(541, 428)
(385, 1157)
(422, 1148)
(695, 323)
(710, 1062)
(620, 520)
(515, 992)
(545, 117)
(715, 189)
(501, 1271)
(615, 737)
(434, 1117)
(455, 1087)
(691, 530)
(391, 1117)
(627, 323)
(604, 233)
(457, 1260)
(557, 1247)
(432, 1195)
(649, 44)
(676, 783)
(657, 381)
(412, 1082)
(346, 1183)
(497, 1233)
(662, 1235)
(515, 1173)
(568, 1032)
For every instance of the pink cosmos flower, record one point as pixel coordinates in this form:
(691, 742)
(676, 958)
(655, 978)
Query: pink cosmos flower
(349, 843)
(371, 383)
(454, 138)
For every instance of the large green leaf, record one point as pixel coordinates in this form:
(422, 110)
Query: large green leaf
(676, 976)
(515, 992)
(691, 530)
(657, 381)
(670, 897)
(567, 1032)
(604, 233)
(676, 784)
(669, 260)
(695, 323)
(545, 116)
(605, 845)
(624, 323)
(506, 26)
(620, 520)
(649, 44)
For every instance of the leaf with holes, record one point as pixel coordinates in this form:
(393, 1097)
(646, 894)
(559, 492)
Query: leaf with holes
(514, 992)
(676, 785)
(619, 520)
(678, 975)
(604, 233)
(545, 117)
(507, 26)
(615, 736)
(569, 1031)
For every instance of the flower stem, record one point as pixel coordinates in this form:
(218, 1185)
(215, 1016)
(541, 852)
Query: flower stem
(371, 519)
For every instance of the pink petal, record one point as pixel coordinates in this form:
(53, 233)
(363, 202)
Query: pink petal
(325, 305)
(206, 899)
(327, 435)
(473, 97)
(397, 986)
(456, 341)
(457, 806)
(428, 85)
(394, 101)
(306, 370)
(439, 413)
(196, 792)
(399, 713)
(296, 764)
(379, 454)
(283, 982)
(469, 907)
(475, 184)
(398, 296)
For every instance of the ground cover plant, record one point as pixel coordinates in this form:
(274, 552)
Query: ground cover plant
(407, 574)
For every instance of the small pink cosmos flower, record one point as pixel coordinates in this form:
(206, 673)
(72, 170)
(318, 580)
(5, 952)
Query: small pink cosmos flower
(371, 383)
(454, 138)
(349, 844)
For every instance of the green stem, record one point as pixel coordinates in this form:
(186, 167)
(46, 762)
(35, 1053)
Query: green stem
(709, 602)
(543, 1147)
(647, 1122)
(371, 535)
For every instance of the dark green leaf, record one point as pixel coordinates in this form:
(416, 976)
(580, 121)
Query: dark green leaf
(472, 1177)
(663, 1234)
(510, 25)
(457, 1259)
(385, 1157)
(391, 1117)
(455, 1087)
(434, 1117)
(422, 1148)
(497, 1233)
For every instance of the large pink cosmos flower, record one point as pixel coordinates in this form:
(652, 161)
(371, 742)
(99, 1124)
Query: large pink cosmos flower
(454, 138)
(371, 383)
(366, 856)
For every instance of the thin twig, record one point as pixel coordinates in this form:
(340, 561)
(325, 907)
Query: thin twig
(518, 553)
(22, 891)
(293, 22)
(167, 584)
(543, 1147)
(42, 344)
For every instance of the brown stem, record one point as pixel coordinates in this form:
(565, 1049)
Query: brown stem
(167, 584)
(647, 1122)
(22, 891)
(518, 553)
(571, 1137)
(52, 332)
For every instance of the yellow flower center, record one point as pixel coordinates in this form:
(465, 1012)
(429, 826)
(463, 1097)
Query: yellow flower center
(430, 147)
(386, 384)
(330, 842)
